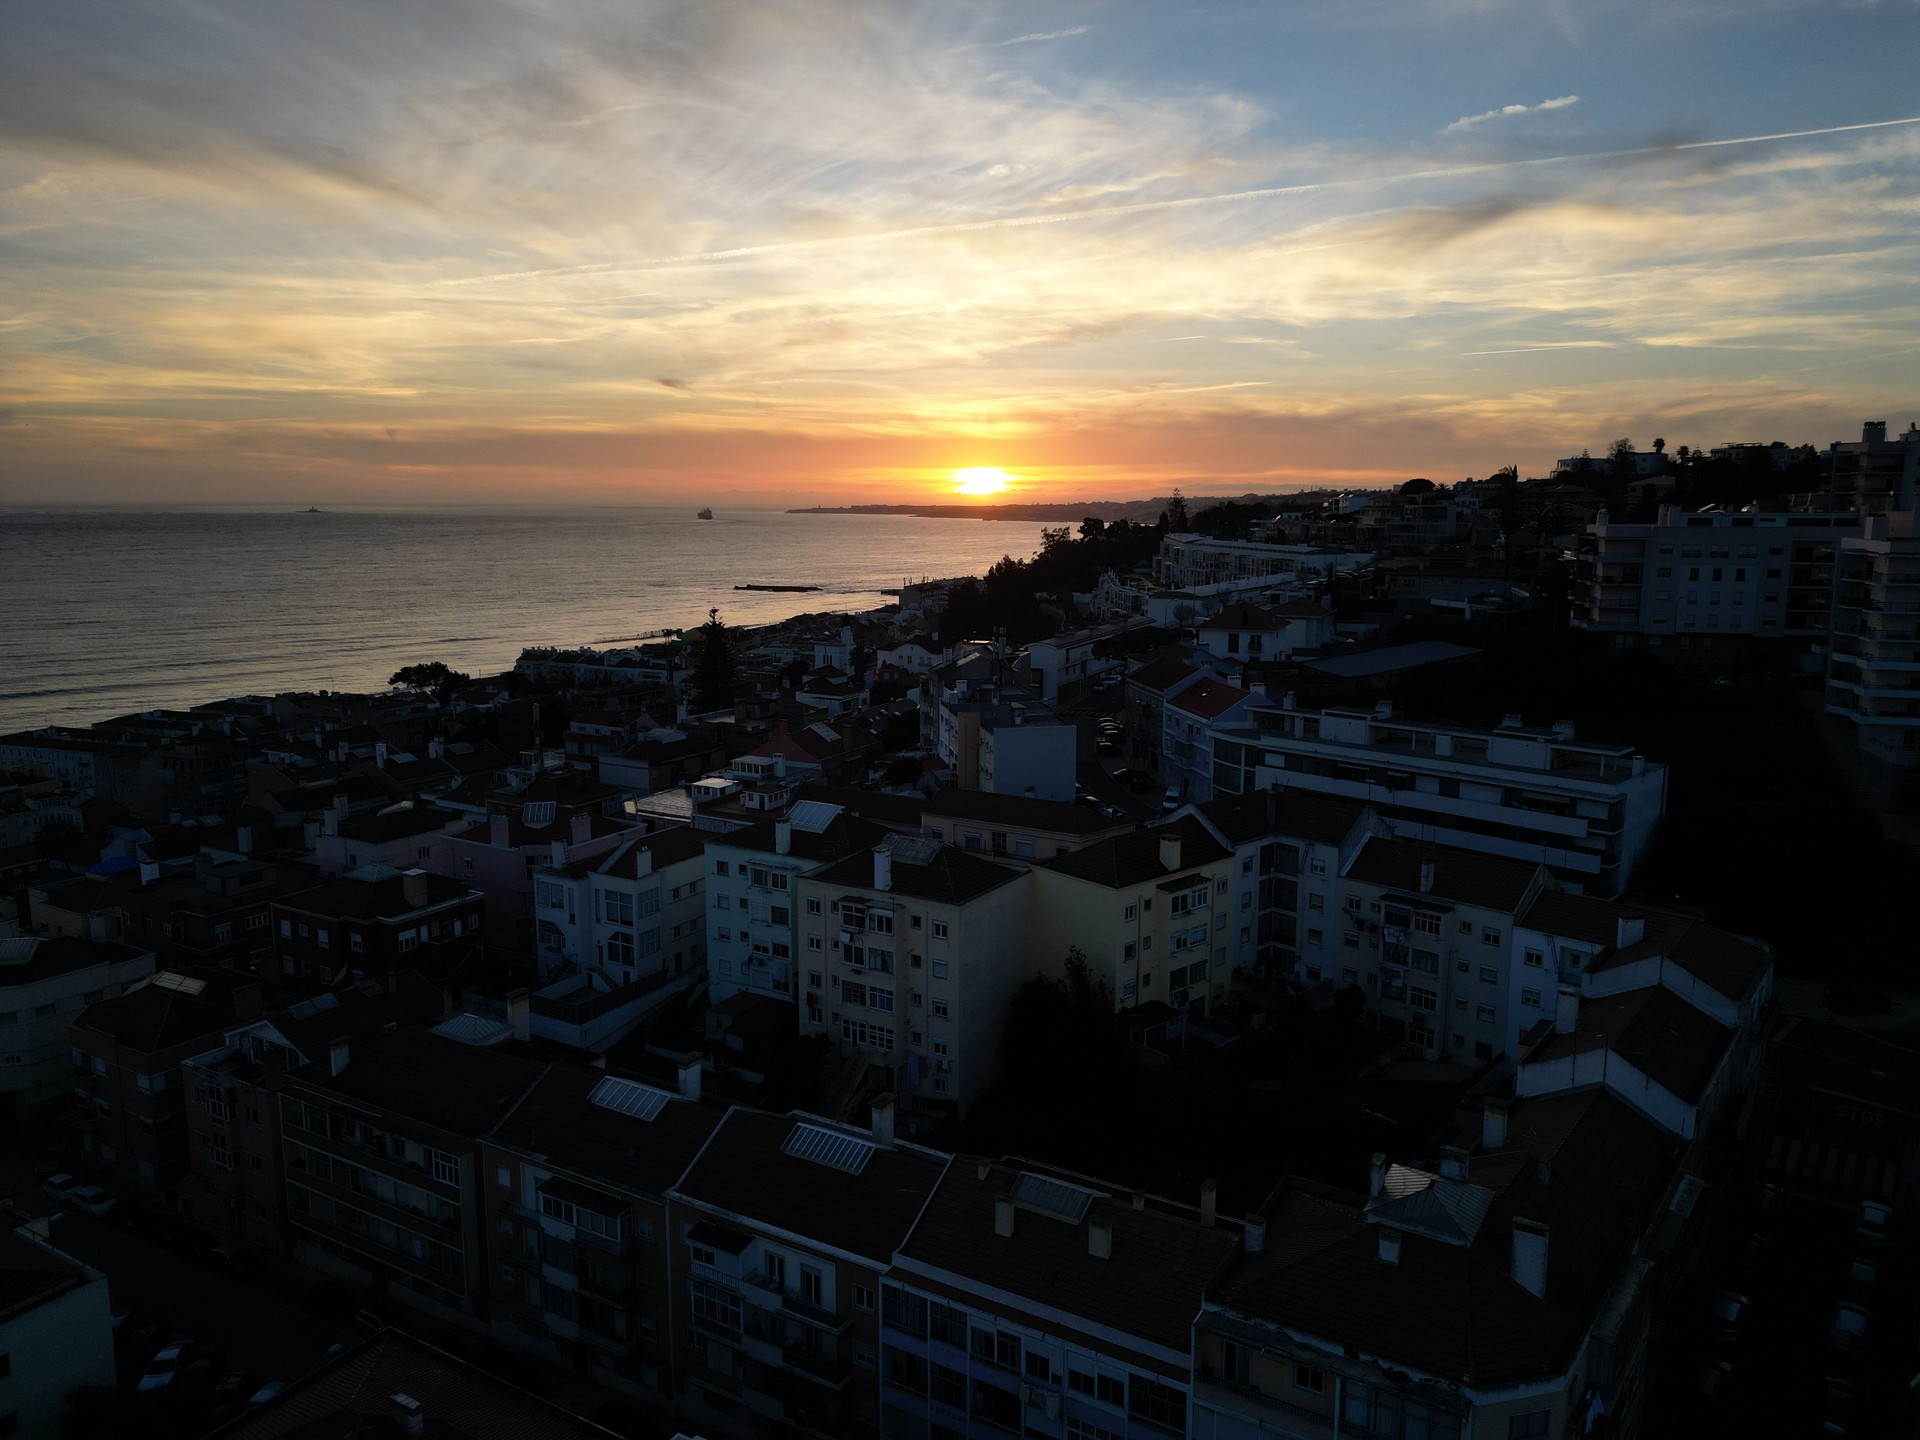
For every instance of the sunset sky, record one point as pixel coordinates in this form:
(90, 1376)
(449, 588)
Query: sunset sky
(834, 252)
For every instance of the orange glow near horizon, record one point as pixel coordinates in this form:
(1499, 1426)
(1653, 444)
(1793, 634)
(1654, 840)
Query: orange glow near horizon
(981, 480)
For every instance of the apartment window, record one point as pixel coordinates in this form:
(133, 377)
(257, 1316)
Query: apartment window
(1530, 997)
(1423, 999)
(813, 944)
(1466, 927)
(1352, 942)
(1489, 936)
(1536, 958)
(1157, 1404)
(1315, 937)
(939, 969)
(1306, 1378)
(286, 929)
(1318, 902)
(355, 942)
(1529, 1426)
(779, 915)
(1110, 1390)
(939, 1009)
(616, 907)
(813, 905)
(720, 867)
(1130, 912)
(1350, 977)
(862, 1297)
(1485, 1014)
(445, 1167)
(1426, 923)
(1490, 974)
(939, 931)
(1316, 867)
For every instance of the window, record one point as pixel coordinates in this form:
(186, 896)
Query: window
(947, 1387)
(939, 969)
(779, 914)
(1315, 937)
(1131, 912)
(1490, 974)
(720, 867)
(939, 932)
(1536, 958)
(1423, 999)
(1306, 1378)
(1530, 997)
(813, 944)
(1485, 1013)
(813, 905)
(1466, 927)
(862, 1297)
(1489, 936)
(939, 1009)
(616, 907)
(1109, 1390)
(1528, 1426)
(1316, 902)
(1039, 1367)
(1157, 1404)
(446, 1168)
(1316, 866)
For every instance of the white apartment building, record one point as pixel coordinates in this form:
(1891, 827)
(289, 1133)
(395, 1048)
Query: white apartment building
(1709, 575)
(752, 926)
(1427, 932)
(1873, 658)
(1585, 809)
(635, 912)
(1026, 750)
(56, 1334)
(1064, 665)
(1280, 840)
(1151, 910)
(1188, 720)
(44, 983)
(1187, 560)
(912, 954)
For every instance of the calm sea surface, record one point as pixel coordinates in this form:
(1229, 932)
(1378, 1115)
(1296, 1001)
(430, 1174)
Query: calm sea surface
(104, 612)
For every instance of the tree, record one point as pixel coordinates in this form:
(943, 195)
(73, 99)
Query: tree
(1659, 447)
(431, 678)
(1620, 453)
(1420, 486)
(716, 671)
(1175, 515)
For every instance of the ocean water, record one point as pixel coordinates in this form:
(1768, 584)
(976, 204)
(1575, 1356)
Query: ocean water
(104, 612)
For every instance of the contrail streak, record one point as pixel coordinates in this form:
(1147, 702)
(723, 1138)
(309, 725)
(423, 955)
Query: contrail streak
(1144, 207)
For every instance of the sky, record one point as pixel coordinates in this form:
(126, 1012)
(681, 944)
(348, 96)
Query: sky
(491, 251)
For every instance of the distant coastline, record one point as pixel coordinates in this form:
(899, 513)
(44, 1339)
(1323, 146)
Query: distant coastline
(1145, 510)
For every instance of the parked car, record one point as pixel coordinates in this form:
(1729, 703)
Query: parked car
(1863, 1280)
(94, 1200)
(266, 1392)
(1850, 1328)
(1727, 1314)
(165, 1369)
(61, 1185)
(1874, 1222)
(1171, 800)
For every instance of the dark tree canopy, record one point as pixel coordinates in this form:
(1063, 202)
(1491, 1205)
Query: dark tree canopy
(716, 670)
(432, 677)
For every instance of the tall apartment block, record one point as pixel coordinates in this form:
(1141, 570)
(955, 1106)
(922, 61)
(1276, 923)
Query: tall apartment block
(1873, 661)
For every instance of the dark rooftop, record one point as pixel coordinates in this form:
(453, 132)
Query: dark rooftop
(1653, 1030)
(1133, 858)
(949, 876)
(1464, 877)
(560, 1123)
(347, 898)
(745, 1171)
(1022, 811)
(465, 1089)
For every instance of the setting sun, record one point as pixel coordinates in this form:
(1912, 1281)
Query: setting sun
(981, 480)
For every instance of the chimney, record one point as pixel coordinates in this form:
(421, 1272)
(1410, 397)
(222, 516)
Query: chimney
(1209, 1201)
(1493, 1123)
(557, 854)
(149, 871)
(1629, 930)
(779, 767)
(520, 1013)
(1254, 1236)
(409, 1414)
(413, 885)
(1003, 1217)
(643, 862)
(1426, 875)
(1169, 852)
(1453, 1162)
(436, 749)
(883, 1121)
(243, 839)
(330, 822)
(580, 828)
(783, 836)
(1530, 1256)
(1377, 1175)
(1513, 722)
(340, 806)
(1566, 1012)
(982, 1170)
(499, 831)
(338, 1054)
(1389, 1239)
(690, 1065)
(882, 868)
(1139, 1199)
(1100, 1239)
(379, 754)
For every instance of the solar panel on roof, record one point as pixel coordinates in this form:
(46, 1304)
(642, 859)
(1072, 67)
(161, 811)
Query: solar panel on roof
(829, 1147)
(913, 849)
(629, 1097)
(1052, 1197)
(172, 980)
(813, 816)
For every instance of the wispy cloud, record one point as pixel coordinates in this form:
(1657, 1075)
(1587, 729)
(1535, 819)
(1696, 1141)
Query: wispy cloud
(1507, 112)
(1040, 35)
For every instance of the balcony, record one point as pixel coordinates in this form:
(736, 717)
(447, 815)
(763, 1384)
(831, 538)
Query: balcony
(819, 1367)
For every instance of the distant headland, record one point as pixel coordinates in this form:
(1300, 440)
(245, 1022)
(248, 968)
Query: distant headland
(1138, 510)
